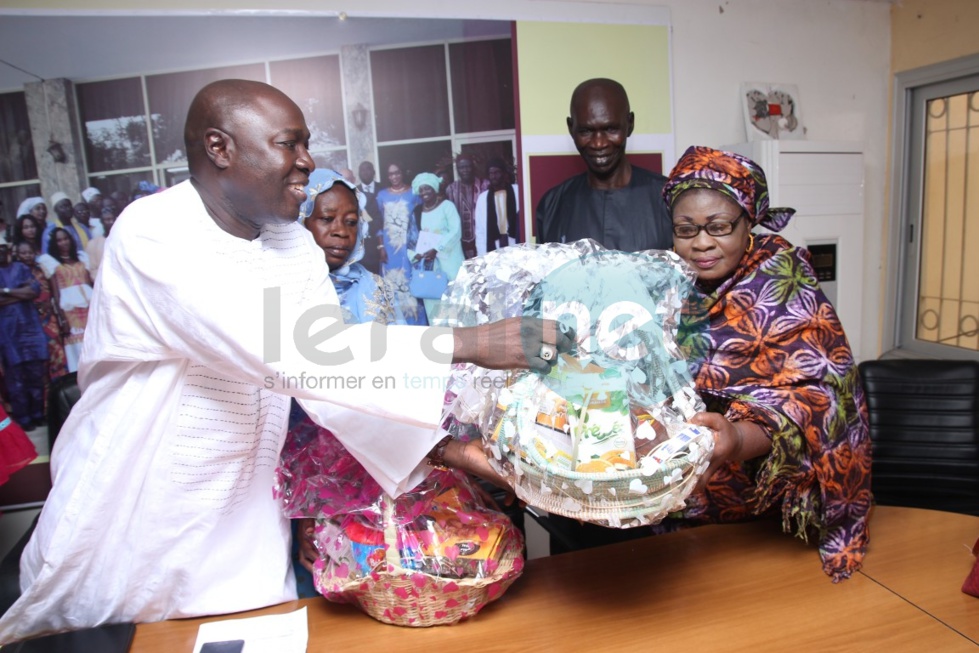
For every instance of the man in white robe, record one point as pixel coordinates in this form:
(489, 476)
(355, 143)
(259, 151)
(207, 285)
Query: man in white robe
(202, 324)
(497, 211)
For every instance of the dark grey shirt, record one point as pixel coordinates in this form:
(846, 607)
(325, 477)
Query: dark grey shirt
(631, 219)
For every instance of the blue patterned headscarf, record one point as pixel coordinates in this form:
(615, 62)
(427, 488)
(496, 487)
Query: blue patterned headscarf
(356, 286)
(145, 188)
(322, 180)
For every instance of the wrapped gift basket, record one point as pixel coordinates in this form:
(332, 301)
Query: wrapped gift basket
(605, 436)
(434, 555)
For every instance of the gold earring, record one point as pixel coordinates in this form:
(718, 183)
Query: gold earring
(751, 242)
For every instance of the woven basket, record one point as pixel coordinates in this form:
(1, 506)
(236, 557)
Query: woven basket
(408, 597)
(607, 497)
(619, 499)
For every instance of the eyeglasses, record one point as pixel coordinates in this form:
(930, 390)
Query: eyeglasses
(719, 228)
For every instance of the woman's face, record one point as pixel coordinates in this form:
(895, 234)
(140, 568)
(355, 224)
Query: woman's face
(40, 211)
(63, 242)
(334, 223)
(25, 254)
(427, 193)
(28, 230)
(395, 176)
(714, 258)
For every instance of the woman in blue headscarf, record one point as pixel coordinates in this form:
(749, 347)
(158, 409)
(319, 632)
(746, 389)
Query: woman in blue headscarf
(437, 217)
(332, 214)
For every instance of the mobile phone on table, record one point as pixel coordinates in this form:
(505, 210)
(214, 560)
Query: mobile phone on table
(229, 646)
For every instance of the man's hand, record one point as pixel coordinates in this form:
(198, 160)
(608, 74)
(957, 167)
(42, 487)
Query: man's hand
(307, 549)
(513, 343)
(470, 457)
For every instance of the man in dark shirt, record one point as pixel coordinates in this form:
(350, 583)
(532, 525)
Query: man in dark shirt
(23, 345)
(615, 203)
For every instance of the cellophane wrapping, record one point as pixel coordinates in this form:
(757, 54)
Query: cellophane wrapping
(434, 555)
(605, 436)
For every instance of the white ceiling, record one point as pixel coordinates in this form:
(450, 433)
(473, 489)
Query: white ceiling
(83, 48)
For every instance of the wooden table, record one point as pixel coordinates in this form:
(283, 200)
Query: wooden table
(924, 556)
(739, 587)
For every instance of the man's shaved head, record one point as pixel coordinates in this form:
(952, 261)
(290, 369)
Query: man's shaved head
(216, 105)
(600, 85)
(247, 153)
(600, 122)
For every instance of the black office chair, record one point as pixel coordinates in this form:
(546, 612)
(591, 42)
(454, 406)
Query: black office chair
(924, 425)
(62, 395)
(10, 571)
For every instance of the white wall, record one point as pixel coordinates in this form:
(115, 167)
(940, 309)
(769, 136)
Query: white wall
(836, 51)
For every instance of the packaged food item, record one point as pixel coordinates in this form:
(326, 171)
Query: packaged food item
(602, 428)
(366, 544)
(444, 542)
(553, 412)
(650, 433)
(553, 446)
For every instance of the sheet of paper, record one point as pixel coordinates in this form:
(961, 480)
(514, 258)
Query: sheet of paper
(427, 240)
(274, 633)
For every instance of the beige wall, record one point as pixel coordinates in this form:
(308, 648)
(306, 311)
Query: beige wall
(927, 32)
(924, 32)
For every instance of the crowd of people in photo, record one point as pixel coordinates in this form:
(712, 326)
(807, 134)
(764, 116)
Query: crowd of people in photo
(48, 263)
(457, 216)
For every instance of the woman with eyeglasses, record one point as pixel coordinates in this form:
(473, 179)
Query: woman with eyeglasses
(771, 361)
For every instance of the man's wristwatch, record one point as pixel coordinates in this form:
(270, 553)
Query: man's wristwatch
(436, 457)
(6, 291)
